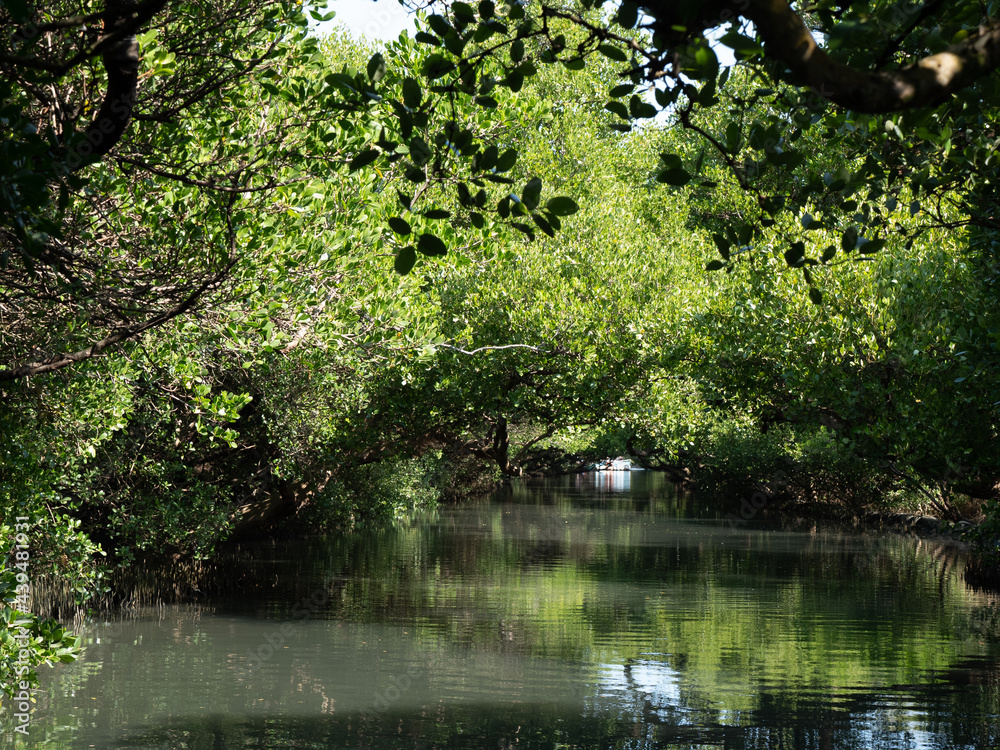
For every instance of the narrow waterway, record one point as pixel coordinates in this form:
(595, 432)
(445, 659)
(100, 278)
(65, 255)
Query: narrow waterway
(599, 611)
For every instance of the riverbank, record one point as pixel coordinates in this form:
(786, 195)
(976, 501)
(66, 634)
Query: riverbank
(777, 502)
(152, 578)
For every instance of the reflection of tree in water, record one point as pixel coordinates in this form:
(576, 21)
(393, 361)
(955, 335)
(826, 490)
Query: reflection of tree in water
(954, 708)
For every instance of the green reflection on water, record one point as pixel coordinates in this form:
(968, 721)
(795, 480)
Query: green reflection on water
(566, 613)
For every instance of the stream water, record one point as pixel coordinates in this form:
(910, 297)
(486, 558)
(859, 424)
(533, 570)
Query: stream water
(597, 611)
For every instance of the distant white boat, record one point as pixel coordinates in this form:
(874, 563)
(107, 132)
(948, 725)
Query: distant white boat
(614, 464)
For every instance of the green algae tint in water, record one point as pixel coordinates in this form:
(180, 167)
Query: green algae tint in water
(588, 612)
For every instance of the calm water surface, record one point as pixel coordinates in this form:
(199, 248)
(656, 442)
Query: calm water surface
(599, 611)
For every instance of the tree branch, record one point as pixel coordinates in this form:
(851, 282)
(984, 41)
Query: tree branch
(893, 47)
(923, 83)
(57, 363)
(208, 184)
(519, 456)
(491, 348)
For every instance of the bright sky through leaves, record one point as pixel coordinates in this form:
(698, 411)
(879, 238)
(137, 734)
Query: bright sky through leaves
(372, 19)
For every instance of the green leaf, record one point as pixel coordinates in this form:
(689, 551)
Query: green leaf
(399, 225)
(676, 177)
(671, 161)
(666, 97)
(705, 63)
(617, 108)
(506, 160)
(815, 295)
(405, 124)
(789, 158)
(612, 53)
(18, 10)
(870, 247)
(773, 204)
(715, 265)
(562, 206)
(437, 213)
(724, 77)
(743, 46)
(405, 260)
(412, 94)
(436, 66)
(463, 11)
(745, 234)
(734, 137)
(522, 227)
(532, 193)
(707, 97)
(487, 159)
(420, 152)
(622, 90)
(640, 109)
(376, 68)
(363, 159)
(543, 225)
(722, 245)
(455, 43)
(431, 245)
(439, 24)
(514, 80)
(828, 253)
(795, 255)
(628, 14)
(850, 239)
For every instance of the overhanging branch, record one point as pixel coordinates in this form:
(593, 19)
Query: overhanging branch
(923, 83)
(490, 348)
(65, 360)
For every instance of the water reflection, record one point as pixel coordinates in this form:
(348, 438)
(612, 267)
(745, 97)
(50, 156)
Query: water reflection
(604, 481)
(555, 614)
